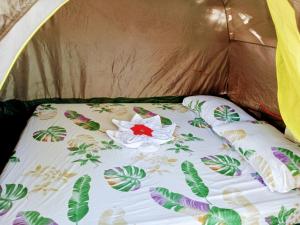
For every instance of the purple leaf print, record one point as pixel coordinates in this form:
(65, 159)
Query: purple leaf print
(177, 202)
(257, 177)
(288, 158)
(281, 156)
(32, 218)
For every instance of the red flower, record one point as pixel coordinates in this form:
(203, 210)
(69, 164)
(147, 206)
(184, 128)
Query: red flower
(140, 129)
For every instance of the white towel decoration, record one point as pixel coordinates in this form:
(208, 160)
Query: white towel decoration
(147, 133)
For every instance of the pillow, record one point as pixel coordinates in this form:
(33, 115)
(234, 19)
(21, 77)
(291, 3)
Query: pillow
(214, 110)
(274, 157)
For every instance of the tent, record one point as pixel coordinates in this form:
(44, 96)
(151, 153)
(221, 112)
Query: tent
(90, 49)
(87, 50)
(142, 51)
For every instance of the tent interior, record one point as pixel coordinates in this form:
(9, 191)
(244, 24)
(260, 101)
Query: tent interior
(141, 51)
(137, 49)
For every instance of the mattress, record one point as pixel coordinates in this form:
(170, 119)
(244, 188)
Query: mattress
(66, 170)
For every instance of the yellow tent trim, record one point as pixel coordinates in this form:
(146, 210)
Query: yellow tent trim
(27, 41)
(287, 63)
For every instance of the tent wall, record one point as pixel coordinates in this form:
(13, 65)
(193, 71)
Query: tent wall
(252, 78)
(128, 48)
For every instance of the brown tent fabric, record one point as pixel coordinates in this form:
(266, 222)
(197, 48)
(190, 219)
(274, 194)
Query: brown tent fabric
(11, 11)
(252, 78)
(143, 48)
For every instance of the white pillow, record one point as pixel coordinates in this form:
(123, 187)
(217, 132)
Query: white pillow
(215, 110)
(274, 157)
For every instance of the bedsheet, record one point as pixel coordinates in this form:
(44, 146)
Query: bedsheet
(66, 170)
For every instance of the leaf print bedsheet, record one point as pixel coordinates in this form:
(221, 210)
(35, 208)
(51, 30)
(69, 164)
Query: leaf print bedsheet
(66, 171)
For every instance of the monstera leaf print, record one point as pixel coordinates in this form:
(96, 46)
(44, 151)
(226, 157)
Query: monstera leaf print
(52, 134)
(177, 202)
(126, 178)
(32, 218)
(82, 121)
(199, 122)
(78, 204)
(146, 114)
(226, 113)
(290, 159)
(223, 164)
(281, 218)
(223, 216)
(193, 180)
(13, 192)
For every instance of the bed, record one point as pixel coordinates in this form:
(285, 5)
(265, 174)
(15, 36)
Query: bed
(66, 170)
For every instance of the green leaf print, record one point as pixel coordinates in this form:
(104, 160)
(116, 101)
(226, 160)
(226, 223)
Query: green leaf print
(52, 134)
(191, 137)
(88, 158)
(179, 147)
(197, 108)
(226, 113)
(218, 216)
(13, 192)
(146, 114)
(223, 164)
(246, 153)
(177, 202)
(14, 158)
(281, 218)
(199, 122)
(164, 106)
(193, 180)
(32, 218)
(78, 203)
(82, 121)
(126, 178)
(109, 145)
(287, 157)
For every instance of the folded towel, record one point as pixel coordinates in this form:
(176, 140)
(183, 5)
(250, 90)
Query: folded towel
(139, 131)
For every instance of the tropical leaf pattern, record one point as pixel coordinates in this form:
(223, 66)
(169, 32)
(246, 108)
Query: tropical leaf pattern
(45, 112)
(78, 203)
(52, 134)
(14, 158)
(281, 218)
(146, 114)
(109, 145)
(264, 170)
(226, 113)
(193, 180)
(177, 202)
(197, 107)
(246, 153)
(32, 218)
(235, 197)
(223, 164)
(82, 121)
(223, 216)
(234, 135)
(113, 217)
(257, 177)
(13, 192)
(290, 159)
(126, 178)
(199, 122)
(180, 148)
